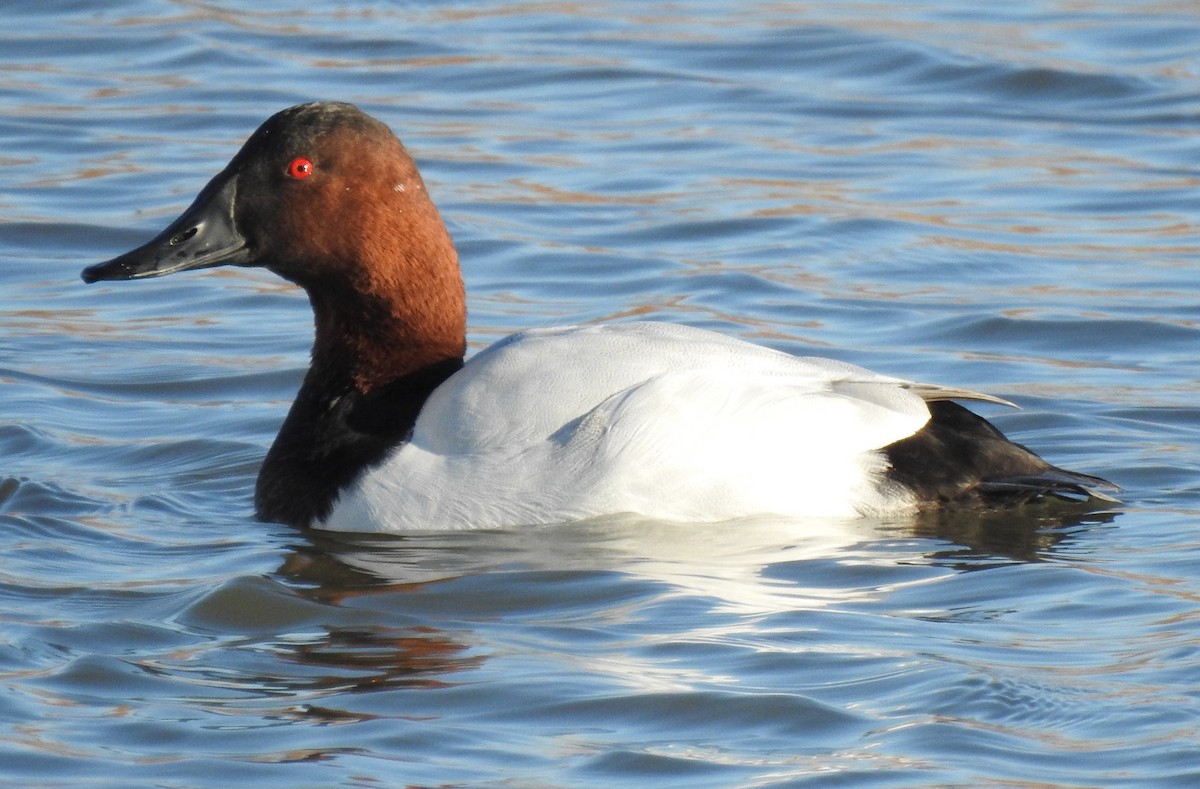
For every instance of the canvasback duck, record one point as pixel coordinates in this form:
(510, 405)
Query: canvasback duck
(392, 431)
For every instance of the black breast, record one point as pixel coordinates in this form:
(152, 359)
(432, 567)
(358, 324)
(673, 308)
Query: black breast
(330, 437)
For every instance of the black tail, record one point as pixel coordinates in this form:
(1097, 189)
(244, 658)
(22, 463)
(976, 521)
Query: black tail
(958, 458)
(1054, 481)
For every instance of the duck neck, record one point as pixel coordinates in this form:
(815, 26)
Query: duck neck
(378, 354)
(388, 298)
(367, 341)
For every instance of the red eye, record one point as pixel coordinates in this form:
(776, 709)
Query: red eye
(300, 168)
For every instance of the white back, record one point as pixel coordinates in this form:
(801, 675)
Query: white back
(666, 421)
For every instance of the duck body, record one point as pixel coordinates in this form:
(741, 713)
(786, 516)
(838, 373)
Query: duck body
(393, 431)
(666, 421)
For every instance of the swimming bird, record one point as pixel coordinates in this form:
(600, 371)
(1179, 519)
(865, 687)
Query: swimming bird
(394, 430)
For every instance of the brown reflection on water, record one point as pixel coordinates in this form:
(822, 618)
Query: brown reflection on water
(374, 658)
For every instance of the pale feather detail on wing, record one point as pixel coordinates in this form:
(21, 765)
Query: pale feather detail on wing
(932, 392)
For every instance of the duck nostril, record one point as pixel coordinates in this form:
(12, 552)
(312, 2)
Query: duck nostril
(184, 236)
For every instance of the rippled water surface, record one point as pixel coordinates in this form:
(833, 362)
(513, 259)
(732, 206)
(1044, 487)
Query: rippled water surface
(1001, 197)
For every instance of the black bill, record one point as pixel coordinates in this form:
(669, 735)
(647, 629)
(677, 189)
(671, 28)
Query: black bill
(205, 235)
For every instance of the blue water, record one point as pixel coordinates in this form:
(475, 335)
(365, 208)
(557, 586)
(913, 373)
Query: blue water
(998, 197)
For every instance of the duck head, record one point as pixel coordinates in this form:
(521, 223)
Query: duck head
(299, 197)
(326, 196)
